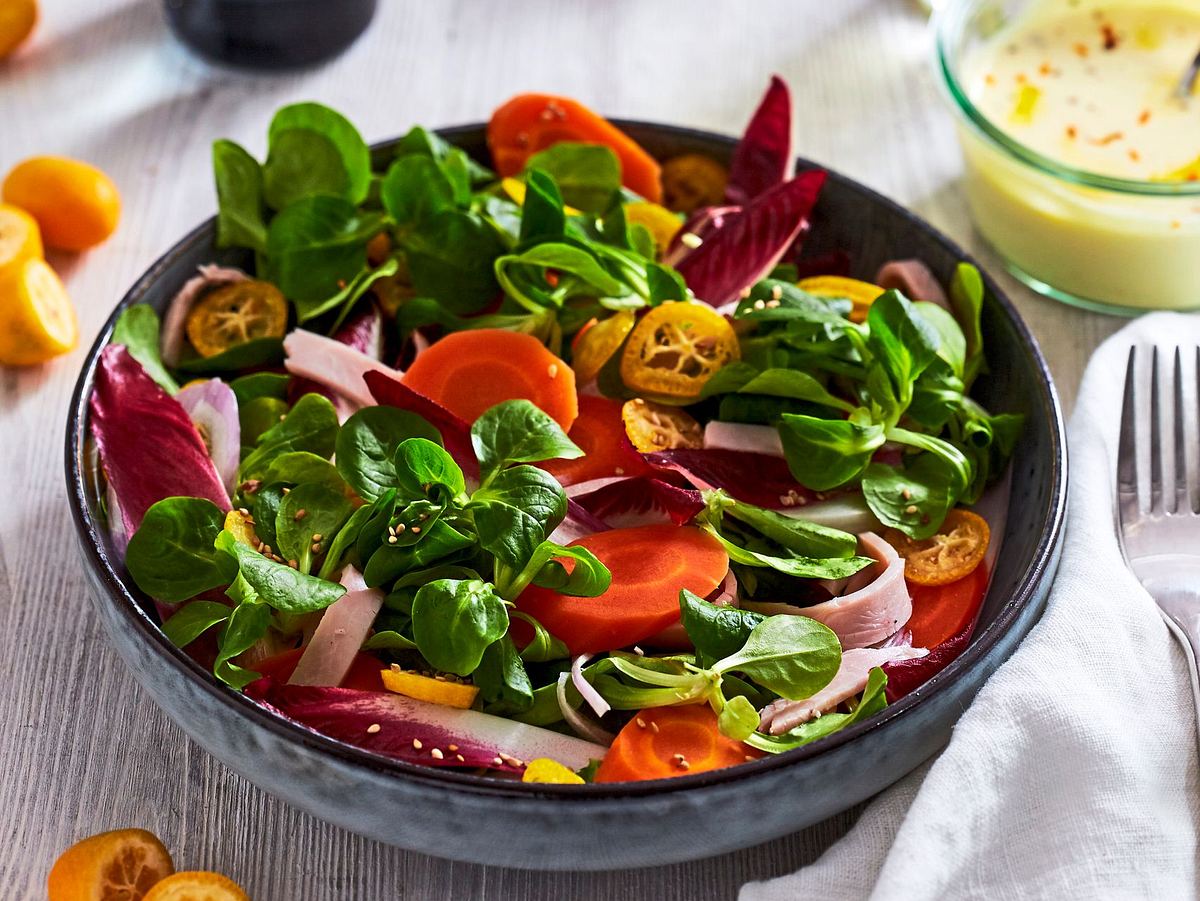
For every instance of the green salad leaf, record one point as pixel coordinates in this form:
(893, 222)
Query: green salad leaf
(171, 555)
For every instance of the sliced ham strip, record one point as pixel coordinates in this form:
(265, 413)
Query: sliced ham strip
(741, 436)
(913, 279)
(851, 678)
(175, 322)
(875, 606)
(340, 634)
(333, 364)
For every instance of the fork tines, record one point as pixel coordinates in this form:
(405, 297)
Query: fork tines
(1158, 459)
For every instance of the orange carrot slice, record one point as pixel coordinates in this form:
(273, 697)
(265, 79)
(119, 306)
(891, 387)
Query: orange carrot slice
(532, 122)
(649, 565)
(671, 741)
(470, 372)
(601, 436)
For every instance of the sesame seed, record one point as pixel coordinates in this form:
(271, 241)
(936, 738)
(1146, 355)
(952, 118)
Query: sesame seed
(293, 563)
(399, 527)
(451, 748)
(751, 757)
(497, 761)
(395, 667)
(250, 486)
(416, 529)
(460, 758)
(641, 723)
(906, 494)
(287, 490)
(300, 514)
(317, 536)
(772, 304)
(760, 304)
(373, 728)
(776, 292)
(316, 548)
(392, 539)
(266, 549)
(436, 754)
(243, 511)
(417, 744)
(511, 761)
(637, 650)
(391, 530)
(552, 370)
(690, 240)
(654, 727)
(911, 508)
(619, 470)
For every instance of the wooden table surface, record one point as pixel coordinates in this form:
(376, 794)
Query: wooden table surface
(82, 749)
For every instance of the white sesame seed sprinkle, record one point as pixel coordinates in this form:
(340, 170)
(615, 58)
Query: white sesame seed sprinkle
(373, 728)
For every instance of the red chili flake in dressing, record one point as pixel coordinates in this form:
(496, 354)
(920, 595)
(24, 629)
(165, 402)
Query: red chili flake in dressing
(1072, 132)
(1110, 36)
(1081, 50)
(1144, 117)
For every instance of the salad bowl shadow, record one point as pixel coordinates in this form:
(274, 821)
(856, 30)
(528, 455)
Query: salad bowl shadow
(490, 821)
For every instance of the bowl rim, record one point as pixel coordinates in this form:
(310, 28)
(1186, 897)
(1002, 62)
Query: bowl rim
(952, 15)
(92, 537)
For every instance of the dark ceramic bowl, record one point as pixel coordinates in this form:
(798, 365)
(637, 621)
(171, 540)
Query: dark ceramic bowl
(489, 821)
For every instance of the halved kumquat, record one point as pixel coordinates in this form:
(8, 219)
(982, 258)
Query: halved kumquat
(122, 865)
(197, 885)
(37, 321)
(20, 237)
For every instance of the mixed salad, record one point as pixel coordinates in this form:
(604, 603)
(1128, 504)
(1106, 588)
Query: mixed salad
(571, 467)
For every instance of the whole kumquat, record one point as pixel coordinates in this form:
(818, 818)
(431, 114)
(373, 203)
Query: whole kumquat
(17, 19)
(75, 204)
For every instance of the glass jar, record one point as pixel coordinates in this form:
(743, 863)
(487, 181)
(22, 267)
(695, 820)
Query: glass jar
(1112, 244)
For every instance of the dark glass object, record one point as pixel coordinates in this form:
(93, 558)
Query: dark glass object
(269, 34)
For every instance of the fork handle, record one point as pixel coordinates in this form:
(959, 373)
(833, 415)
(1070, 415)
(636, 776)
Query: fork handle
(1173, 580)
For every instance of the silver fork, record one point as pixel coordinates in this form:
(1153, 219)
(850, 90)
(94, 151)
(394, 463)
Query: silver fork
(1159, 525)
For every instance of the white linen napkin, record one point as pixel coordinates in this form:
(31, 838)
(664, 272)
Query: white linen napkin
(1074, 772)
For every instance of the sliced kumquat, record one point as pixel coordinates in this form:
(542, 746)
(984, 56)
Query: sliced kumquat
(550, 772)
(236, 313)
(953, 553)
(861, 294)
(428, 688)
(692, 181)
(122, 865)
(655, 427)
(197, 885)
(675, 348)
(596, 343)
(662, 224)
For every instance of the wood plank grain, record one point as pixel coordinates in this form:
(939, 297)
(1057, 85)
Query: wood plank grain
(83, 749)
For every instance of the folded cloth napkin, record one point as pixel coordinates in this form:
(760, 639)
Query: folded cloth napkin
(1074, 772)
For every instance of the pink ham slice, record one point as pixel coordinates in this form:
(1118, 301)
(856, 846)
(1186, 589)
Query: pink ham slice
(333, 364)
(913, 279)
(340, 634)
(741, 436)
(876, 603)
(851, 678)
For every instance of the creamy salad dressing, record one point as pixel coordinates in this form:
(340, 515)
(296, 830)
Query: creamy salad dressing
(1095, 88)
(1089, 85)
